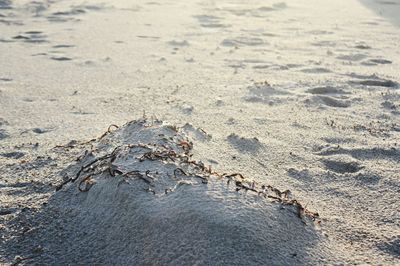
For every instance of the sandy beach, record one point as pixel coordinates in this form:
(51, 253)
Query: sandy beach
(301, 95)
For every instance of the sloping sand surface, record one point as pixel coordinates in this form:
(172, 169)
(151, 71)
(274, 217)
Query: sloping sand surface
(387, 9)
(301, 95)
(139, 197)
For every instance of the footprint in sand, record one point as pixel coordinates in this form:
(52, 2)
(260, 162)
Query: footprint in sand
(178, 43)
(262, 66)
(59, 18)
(31, 37)
(347, 164)
(154, 38)
(235, 64)
(243, 41)
(40, 130)
(376, 83)
(320, 32)
(3, 122)
(13, 155)
(10, 22)
(60, 58)
(329, 96)
(372, 80)
(37, 130)
(391, 246)
(2, 40)
(363, 153)
(72, 12)
(34, 32)
(3, 134)
(70, 15)
(372, 23)
(8, 17)
(299, 174)
(196, 133)
(324, 43)
(388, 2)
(342, 164)
(186, 108)
(5, 4)
(334, 140)
(263, 92)
(152, 3)
(327, 90)
(389, 105)
(60, 46)
(332, 102)
(362, 46)
(262, 11)
(316, 70)
(7, 211)
(352, 57)
(250, 145)
(209, 21)
(219, 103)
(375, 62)
(231, 121)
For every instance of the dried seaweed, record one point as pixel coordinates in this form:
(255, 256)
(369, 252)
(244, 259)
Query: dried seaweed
(193, 169)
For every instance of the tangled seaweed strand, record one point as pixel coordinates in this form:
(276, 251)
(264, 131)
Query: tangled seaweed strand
(163, 153)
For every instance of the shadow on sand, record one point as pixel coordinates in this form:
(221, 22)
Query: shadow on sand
(388, 9)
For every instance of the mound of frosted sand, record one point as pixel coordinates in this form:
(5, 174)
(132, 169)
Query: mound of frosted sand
(138, 197)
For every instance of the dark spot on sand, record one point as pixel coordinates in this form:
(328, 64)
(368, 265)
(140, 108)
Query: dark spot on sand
(388, 105)
(316, 70)
(391, 247)
(148, 37)
(3, 122)
(387, 2)
(40, 130)
(342, 166)
(362, 46)
(330, 101)
(13, 155)
(326, 90)
(352, 57)
(364, 153)
(380, 61)
(63, 46)
(20, 37)
(244, 144)
(34, 37)
(70, 13)
(180, 43)
(6, 211)
(61, 58)
(243, 41)
(33, 32)
(376, 83)
(5, 4)
(3, 134)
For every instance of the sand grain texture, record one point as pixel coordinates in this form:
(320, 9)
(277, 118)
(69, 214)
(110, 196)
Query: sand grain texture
(302, 95)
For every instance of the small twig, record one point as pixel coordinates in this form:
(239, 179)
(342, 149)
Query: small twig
(179, 170)
(110, 126)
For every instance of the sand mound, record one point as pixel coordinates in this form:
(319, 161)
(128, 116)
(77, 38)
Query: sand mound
(138, 197)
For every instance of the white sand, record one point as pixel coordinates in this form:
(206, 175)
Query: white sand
(140, 198)
(302, 95)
